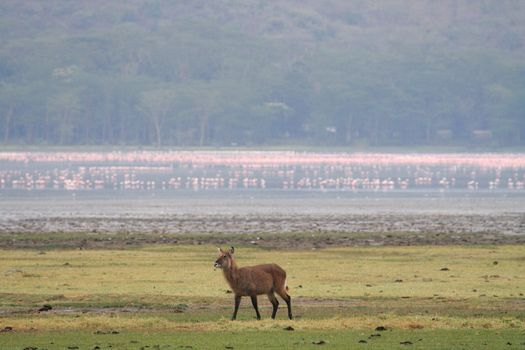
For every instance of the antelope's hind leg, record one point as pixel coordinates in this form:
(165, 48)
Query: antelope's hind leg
(275, 304)
(288, 300)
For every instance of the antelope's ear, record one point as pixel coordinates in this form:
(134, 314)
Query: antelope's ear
(220, 250)
(232, 249)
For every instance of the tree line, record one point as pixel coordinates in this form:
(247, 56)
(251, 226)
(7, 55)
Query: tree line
(257, 73)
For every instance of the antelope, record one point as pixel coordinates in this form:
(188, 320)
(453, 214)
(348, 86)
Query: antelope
(254, 280)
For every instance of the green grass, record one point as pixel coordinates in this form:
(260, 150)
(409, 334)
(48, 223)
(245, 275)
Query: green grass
(274, 339)
(467, 297)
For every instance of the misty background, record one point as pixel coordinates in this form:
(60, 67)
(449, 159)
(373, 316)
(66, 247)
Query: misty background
(255, 73)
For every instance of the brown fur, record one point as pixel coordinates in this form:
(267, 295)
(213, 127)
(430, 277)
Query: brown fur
(254, 280)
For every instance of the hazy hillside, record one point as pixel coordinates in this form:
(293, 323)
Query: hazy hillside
(335, 72)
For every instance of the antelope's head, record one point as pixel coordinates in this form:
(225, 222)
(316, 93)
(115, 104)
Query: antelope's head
(224, 261)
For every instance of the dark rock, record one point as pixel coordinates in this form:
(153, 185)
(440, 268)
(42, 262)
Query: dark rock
(374, 335)
(106, 332)
(398, 281)
(289, 328)
(445, 269)
(319, 342)
(362, 341)
(380, 328)
(6, 329)
(495, 263)
(45, 308)
(406, 342)
(181, 307)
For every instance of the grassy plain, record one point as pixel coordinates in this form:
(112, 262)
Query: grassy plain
(169, 296)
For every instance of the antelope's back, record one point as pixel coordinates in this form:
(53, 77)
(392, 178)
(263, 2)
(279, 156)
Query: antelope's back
(277, 273)
(274, 269)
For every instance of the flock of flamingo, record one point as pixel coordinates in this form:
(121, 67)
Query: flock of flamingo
(214, 170)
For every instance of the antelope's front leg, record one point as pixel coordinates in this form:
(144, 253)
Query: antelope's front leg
(254, 303)
(237, 303)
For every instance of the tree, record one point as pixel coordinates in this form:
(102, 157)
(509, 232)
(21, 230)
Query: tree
(9, 97)
(156, 104)
(64, 109)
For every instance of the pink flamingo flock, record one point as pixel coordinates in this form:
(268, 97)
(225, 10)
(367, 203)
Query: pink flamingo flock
(213, 170)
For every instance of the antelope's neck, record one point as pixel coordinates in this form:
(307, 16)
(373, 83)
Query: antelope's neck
(231, 274)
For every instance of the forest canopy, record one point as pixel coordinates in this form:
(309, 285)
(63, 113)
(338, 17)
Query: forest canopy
(250, 72)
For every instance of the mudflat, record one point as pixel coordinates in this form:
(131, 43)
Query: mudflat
(267, 219)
